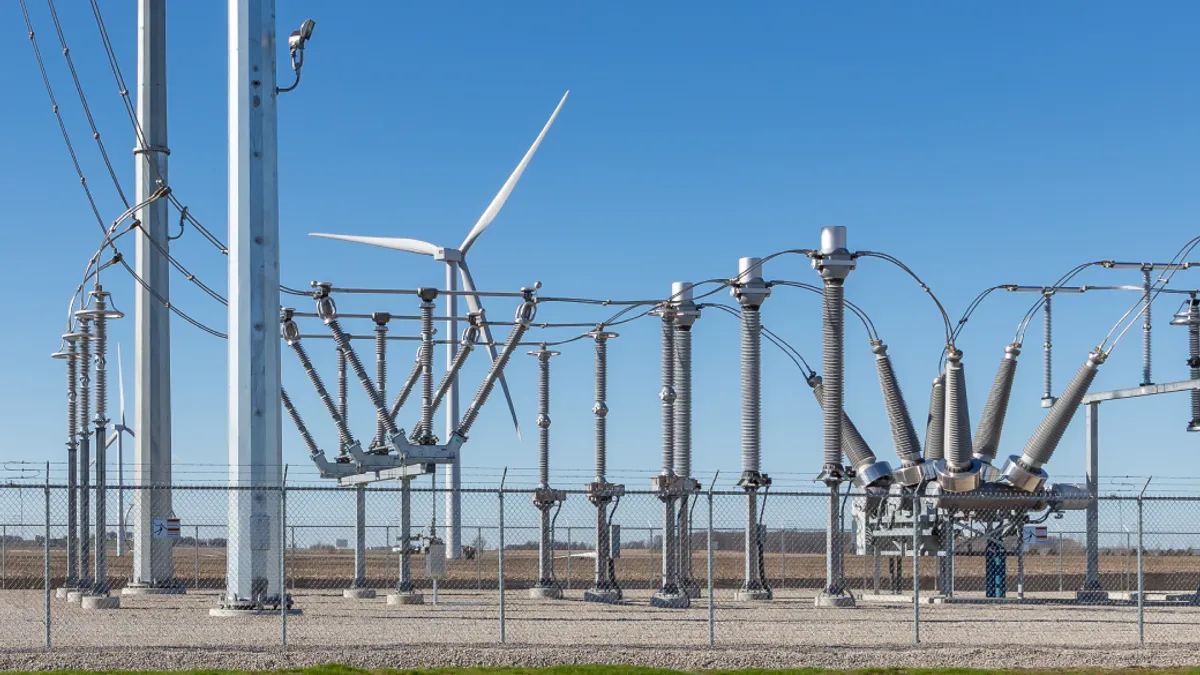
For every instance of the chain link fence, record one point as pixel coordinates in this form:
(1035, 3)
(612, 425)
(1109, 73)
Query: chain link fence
(1004, 570)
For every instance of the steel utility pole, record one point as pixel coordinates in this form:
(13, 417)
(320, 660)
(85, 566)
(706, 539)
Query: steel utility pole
(453, 469)
(152, 558)
(255, 420)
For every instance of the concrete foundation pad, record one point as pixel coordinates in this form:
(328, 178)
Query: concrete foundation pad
(358, 593)
(409, 598)
(670, 600)
(899, 599)
(546, 593)
(74, 597)
(100, 602)
(692, 590)
(141, 589)
(228, 612)
(1091, 595)
(752, 595)
(609, 596)
(62, 593)
(841, 600)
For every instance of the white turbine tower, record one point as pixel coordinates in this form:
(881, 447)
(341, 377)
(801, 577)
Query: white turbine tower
(456, 266)
(121, 429)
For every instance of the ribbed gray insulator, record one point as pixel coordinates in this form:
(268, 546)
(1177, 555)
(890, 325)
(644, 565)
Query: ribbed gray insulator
(409, 383)
(343, 385)
(991, 425)
(304, 435)
(1046, 437)
(489, 381)
(904, 435)
(322, 393)
(854, 446)
(381, 331)
(751, 388)
(832, 336)
(1194, 353)
(935, 426)
(447, 379)
(668, 396)
(343, 343)
(427, 368)
(72, 393)
(600, 409)
(101, 364)
(544, 419)
(1047, 346)
(85, 377)
(958, 416)
(1146, 305)
(683, 402)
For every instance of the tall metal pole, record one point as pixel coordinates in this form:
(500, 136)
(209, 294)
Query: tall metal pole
(453, 535)
(255, 416)
(1092, 590)
(152, 558)
(834, 264)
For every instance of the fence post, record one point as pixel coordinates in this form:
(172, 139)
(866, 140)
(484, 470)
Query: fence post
(1140, 570)
(46, 559)
(782, 557)
(387, 554)
(500, 574)
(712, 607)
(916, 567)
(1060, 562)
(568, 557)
(283, 594)
(479, 558)
(196, 554)
(4, 556)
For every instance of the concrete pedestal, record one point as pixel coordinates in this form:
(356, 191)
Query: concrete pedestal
(839, 600)
(609, 596)
(100, 602)
(1091, 595)
(406, 598)
(752, 595)
(551, 592)
(671, 600)
(75, 596)
(149, 589)
(358, 593)
(61, 593)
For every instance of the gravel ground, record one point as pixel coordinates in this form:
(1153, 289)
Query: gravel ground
(176, 632)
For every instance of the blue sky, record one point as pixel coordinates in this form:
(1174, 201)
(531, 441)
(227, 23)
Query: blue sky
(979, 144)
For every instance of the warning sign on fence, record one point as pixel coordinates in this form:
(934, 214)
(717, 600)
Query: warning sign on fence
(166, 528)
(1033, 535)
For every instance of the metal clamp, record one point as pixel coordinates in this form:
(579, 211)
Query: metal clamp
(753, 480)
(1020, 477)
(958, 482)
(872, 474)
(602, 492)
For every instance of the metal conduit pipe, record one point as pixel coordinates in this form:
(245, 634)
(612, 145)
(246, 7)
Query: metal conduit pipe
(1025, 472)
(935, 426)
(524, 317)
(686, 314)
(750, 292)
(991, 424)
(291, 335)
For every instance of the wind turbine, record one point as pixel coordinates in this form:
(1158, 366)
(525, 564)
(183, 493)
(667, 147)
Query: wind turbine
(119, 437)
(456, 266)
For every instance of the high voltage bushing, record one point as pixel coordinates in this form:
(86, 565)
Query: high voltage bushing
(914, 470)
(1190, 317)
(1025, 472)
(71, 356)
(751, 291)
(544, 497)
(959, 471)
(667, 485)
(100, 314)
(869, 472)
(600, 492)
(991, 424)
(685, 314)
(935, 426)
(834, 263)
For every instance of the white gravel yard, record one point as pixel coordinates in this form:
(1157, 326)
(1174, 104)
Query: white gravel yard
(173, 632)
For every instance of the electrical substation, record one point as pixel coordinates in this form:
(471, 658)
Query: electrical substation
(945, 497)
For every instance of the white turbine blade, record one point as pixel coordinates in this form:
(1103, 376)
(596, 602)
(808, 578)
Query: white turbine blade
(506, 190)
(397, 243)
(474, 305)
(111, 439)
